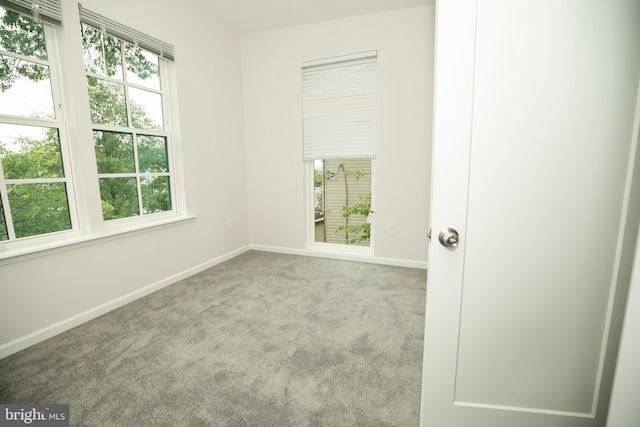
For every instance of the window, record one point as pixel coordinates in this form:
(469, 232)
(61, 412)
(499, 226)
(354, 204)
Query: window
(128, 77)
(36, 192)
(342, 204)
(131, 134)
(339, 109)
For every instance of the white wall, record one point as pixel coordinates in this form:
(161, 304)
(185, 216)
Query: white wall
(273, 125)
(44, 291)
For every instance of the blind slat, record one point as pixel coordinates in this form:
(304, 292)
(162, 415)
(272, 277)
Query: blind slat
(122, 32)
(339, 108)
(47, 10)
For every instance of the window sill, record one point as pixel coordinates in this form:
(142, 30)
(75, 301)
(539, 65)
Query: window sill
(8, 256)
(338, 248)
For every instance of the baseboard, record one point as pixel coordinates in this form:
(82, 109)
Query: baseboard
(71, 322)
(64, 325)
(342, 256)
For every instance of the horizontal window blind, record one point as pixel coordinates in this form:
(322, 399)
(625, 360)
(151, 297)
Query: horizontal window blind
(122, 32)
(339, 107)
(47, 10)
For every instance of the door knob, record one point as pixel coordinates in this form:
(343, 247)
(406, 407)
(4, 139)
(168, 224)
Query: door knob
(449, 238)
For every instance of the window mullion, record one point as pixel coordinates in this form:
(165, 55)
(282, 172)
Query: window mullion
(137, 166)
(166, 108)
(7, 210)
(60, 116)
(26, 58)
(29, 121)
(117, 175)
(35, 181)
(127, 99)
(4, 196)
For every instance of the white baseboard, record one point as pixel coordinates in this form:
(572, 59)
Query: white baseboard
(342, 256)
(73, 321)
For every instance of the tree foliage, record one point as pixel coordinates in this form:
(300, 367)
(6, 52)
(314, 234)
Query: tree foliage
(34, 158)
(36, 208)
(358, 232)
(103, 55)
(24, 36)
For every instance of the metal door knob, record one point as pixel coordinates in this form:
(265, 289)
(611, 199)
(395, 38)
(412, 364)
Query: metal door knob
(449, 238)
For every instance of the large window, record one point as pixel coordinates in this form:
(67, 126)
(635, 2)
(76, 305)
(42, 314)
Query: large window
(36, 193)
(130, 127)
(132, 182)
(339, 124)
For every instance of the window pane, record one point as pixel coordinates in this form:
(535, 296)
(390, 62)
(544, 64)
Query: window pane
(114, 152)
(146, 109)
(19, 34)
(30, 152)
(119, 197)
(4, 234)
(39, 208)
(152, 154)
(26, 88)
(102, 54)
(142, 67)
(107, 102)
(156, 194)
(344, 187)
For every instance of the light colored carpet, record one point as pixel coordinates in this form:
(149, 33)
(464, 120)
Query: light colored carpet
(261, 340)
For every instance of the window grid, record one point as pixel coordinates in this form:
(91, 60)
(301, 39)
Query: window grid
(136, 132)
(57, 122)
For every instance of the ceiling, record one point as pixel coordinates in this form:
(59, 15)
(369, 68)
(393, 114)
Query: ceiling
(248, 16)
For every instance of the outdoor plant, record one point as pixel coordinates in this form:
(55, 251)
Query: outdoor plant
(360, 232)
(357, 232)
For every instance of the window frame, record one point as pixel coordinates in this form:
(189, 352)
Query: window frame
(166, 133)
(326, 147)
(59, 122)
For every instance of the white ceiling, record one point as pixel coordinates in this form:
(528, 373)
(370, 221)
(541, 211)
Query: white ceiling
(248, 16)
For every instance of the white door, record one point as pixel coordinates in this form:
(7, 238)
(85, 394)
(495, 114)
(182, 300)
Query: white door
(533, 128)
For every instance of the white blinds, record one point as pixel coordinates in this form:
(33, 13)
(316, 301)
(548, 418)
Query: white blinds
(339, 107)
(122, 32)
(47, 10)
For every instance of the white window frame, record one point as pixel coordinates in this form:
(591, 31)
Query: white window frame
(59, 122)
(366, 151)
(167, 133)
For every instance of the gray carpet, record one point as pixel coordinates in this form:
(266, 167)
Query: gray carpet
(261, 340)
